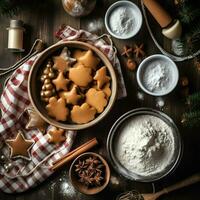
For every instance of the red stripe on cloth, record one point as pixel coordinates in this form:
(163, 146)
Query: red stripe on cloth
(18, 96)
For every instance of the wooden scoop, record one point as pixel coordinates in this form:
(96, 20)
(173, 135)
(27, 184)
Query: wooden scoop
(188, 181)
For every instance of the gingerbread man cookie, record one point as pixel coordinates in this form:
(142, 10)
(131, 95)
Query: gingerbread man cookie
(80, 75)
(20, 146)
(89, 60)
(82, 114)
(57, 109)
(61, 82)
(56, 135)
(96, 99)
(101, 77)
(71, 97)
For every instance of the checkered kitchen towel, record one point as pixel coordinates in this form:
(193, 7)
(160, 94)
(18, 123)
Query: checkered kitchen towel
(15, 100)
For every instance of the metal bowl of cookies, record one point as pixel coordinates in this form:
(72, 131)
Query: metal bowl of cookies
(72, 85)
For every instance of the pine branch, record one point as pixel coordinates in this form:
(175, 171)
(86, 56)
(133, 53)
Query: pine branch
(191, 119)
(193, 101)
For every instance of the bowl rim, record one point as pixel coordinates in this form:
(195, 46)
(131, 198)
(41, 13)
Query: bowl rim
(110, 9)
(125, 172)
(105, 163)
(143, 65)
(111, 100)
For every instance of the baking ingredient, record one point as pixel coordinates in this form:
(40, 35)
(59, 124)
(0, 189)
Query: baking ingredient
(145, 145)
(157, 77)
(138, 50)
(122, 21)
(90, 171)
(127, 51)
(131, 64)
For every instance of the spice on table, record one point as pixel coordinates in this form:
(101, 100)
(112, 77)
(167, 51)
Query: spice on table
(184, 81)
(90, 171)
(131, 64)
(138, 50)
(127, 51)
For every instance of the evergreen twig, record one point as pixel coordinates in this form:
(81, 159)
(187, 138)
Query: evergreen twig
(191, 119)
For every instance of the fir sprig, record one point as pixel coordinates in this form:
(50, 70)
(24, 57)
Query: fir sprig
(193, 101)
(191, 119)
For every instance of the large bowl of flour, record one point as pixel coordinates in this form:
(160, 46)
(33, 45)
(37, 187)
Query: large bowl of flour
(144, 145)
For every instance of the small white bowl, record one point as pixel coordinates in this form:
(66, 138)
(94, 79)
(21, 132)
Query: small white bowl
(173, 79)
(137, 17)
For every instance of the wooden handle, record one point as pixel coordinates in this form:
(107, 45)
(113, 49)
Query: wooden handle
(158, 12)
(188, 181)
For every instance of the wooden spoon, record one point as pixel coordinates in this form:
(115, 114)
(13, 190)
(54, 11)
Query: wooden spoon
(188, 181)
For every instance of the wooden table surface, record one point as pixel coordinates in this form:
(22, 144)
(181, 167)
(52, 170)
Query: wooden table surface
(41, 22)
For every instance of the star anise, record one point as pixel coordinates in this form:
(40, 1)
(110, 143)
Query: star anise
(138, 50)
(127, 51)
(90, 171)
(80, 167)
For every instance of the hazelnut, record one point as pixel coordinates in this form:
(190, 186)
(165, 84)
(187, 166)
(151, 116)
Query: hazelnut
(131, 64)
(46, 71)
(42, 94)
(184, 81)
(43, 87)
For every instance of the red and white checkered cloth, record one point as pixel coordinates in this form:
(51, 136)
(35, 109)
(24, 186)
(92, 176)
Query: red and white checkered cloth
(15, 100)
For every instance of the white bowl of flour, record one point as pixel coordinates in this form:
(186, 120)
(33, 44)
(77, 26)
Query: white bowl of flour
(157, 75)
(123, 19)
(144, 145)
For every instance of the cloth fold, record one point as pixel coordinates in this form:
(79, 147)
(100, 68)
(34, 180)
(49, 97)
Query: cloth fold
(13, 104)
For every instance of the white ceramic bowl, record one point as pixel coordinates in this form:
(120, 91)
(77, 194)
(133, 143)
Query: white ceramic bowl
(137, 17)
(172, 67)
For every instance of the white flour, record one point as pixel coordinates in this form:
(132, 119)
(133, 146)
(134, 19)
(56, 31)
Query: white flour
(122, 21)
(157, 76)
(145, 145)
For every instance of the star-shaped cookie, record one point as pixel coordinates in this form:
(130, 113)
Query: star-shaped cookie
(20, 146)
(56, 135)
(101, 77)
(57, 109)
(88, 59)
(63, 62)
(71, 97)
(35, 121)
(61, 82)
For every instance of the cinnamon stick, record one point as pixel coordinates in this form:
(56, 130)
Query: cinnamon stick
(76, 152)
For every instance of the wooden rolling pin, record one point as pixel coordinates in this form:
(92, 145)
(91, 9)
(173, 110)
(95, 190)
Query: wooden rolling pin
(171, 28)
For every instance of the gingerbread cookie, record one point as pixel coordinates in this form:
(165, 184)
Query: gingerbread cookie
(20, 146)
(89, 60)
(101, 77)
(63, 62)
(56, 135)
(71, 97)
(96, 99)
(106, 89)
(78, 53)
(80, 75)
(57, 109)
(61, 82)
(35, 121)
(82, 114)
